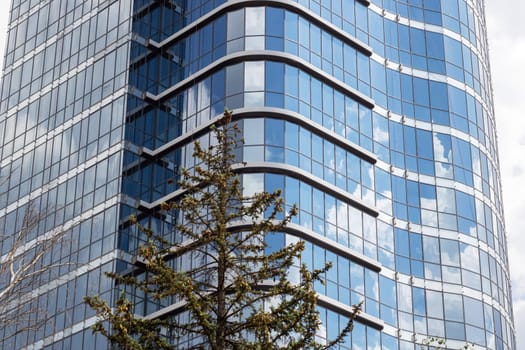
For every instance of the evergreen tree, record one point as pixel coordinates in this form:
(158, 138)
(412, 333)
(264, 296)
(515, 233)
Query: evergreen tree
(239, 292)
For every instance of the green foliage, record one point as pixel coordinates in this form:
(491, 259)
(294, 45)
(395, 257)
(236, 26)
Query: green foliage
(239, 293)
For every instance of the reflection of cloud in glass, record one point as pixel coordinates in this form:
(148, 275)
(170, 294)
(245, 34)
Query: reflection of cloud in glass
(254, 76)
(356, 270)
(429, 218)
(435, 328)
(321, 332)
(381, 136)
(374, 347)
(405, 321)
(446, 200)
(420, 326)
(434, 304)
(356, 192)
(442, 154)
(341, 165)
(480, 212)
(442, 148)
(307, 224)
(253, 99)
(384, 204)
(252, 183)
(356, 244)
(476, 163)
(294, 276)
(387, 259)
(432, 272)
(368, 196)
(473, 231)
(448, 221)
(451, 274)
(449, 252)
(204, 94)
(385, 237)
(444, 170)
(192, 100)
(431, 249)
(404, 297)
(255, 23)
(428, 203)
(491, 341)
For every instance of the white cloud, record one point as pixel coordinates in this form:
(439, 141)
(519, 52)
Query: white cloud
(506, 30)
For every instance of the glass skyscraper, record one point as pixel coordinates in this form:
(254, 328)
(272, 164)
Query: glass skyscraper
(375, 117)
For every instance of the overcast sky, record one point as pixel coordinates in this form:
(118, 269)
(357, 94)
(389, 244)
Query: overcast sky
(506, 27)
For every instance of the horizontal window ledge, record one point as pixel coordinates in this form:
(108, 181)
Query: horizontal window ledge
(265, 112)
(321, 241)
(322, 300)
(282, 169)
(285, 169)
(288, 5)
(291, 229)
(348, 311)
(262, 55)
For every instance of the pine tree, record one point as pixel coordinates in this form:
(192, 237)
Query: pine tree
(238, 292)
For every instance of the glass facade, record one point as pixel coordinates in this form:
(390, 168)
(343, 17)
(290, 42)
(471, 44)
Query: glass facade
(374, 117)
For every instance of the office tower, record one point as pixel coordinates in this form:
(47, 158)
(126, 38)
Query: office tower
(375, 117)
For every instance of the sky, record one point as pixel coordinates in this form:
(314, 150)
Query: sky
(506, 28)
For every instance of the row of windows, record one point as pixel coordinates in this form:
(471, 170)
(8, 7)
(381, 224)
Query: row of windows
(287, 143)
(341, 222)
(368, 22)
(67, 200)
(278, 25)
(37, 119)
(442, 55)
(346, 225)
(68, 308)
(159, 15)
(400, 140)
(374, 23)
(339, 112)
(237, 31)
(432, 98)
(451, 153)
(66, 140)
(161, 19)
(431, 101)
(455, 15)
(67, 53)
(446, 154)
(63, 153)
(246, 29)
(434, 101)
(350, 283)
(47, 21)
(279, 141)
(162, 180)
